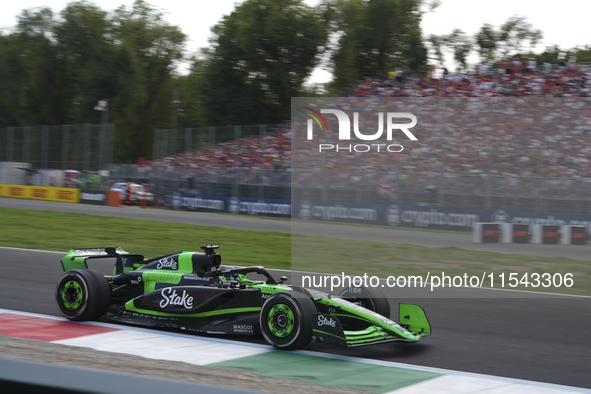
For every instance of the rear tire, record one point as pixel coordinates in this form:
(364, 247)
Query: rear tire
(367, 297)
(82, 295)
(286, 320)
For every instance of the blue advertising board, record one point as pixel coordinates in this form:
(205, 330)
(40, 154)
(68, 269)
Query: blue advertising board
(225, 204)
(389, 215)
(414, 216)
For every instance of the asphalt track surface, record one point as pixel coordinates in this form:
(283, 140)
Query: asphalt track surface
(537, 337)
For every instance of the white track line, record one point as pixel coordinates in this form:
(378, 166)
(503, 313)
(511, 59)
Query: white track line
(164, 347)
(31, 250)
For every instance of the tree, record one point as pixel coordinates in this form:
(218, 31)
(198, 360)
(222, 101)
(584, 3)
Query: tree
(12, 79)
(515, 36)
(584, 54)
(84, 40)
(461, 45)
(35, 72)
(487, 40)
(551, 54)
(191, 86)
(261, 54)
(53, 71)
(146, 52)
(438, 44)
(375, 37)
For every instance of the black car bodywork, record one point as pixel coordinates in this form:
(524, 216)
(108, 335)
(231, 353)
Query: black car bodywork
(192, 291)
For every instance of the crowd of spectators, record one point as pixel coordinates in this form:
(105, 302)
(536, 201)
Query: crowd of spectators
(246, 160)
(511, 124)
(515, 79)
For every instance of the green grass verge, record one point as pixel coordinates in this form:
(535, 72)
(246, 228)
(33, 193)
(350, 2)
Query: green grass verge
(61, 231)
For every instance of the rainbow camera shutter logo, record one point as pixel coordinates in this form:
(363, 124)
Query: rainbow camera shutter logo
(345, 130)
(310, 132)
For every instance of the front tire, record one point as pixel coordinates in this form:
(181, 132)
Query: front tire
(82, 295)
(286, 320)
(367, 297)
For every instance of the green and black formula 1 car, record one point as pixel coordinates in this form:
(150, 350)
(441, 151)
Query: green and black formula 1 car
(192, 291)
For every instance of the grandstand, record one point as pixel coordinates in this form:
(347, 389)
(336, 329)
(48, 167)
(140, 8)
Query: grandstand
(518, 140)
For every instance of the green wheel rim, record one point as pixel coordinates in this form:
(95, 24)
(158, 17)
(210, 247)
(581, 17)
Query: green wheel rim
(72, 295)
(281, 321)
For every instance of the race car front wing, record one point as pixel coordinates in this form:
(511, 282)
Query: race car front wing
(327, 327)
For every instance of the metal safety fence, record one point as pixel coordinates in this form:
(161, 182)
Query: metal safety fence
(170, 142)
(78, 147)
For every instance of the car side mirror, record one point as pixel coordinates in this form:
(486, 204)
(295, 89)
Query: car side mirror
(111, 251)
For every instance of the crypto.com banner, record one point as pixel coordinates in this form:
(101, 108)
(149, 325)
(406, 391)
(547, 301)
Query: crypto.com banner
(360, 150)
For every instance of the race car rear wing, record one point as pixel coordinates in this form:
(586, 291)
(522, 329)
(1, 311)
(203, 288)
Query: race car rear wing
(77, 258)
(108, 251)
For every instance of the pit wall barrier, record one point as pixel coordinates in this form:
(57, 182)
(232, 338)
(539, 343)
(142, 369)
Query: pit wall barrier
(41, 193)
(546, 234)
(536, 233)
(515, 233)
(486, 232)
(565, 235)
(574, 235)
